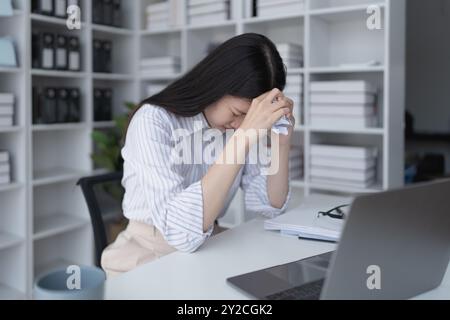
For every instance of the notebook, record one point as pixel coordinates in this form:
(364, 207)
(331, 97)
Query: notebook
(303, 221)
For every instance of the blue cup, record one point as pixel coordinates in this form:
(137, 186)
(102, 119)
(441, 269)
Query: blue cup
(73, 283)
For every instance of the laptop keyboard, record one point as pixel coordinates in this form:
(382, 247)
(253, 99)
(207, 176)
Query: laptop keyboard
(308, 291)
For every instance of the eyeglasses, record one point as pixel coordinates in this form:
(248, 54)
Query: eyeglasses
(335, 213)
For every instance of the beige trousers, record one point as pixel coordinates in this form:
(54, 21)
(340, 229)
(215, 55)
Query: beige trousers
(139, 243)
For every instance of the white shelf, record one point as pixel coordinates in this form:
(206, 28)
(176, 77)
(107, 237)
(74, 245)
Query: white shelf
(362, 131)
(8, 293)
(10, 187)
(296, 183)
(221, 24)
(149, 77)
(252, 20)
(343, 13)
(56, 175)
(51, 225)
(10, 69)
(51, 20)
(295, 70)
(337, 69)
(145, 33)
(112, 76)
(8, 240)
(56, 73)
(10, 129)
(59, 127)
(112, 30)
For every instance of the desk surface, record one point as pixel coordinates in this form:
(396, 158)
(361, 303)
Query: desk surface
(203, 275)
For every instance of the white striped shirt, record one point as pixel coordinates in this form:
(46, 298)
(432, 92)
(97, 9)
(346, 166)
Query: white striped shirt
(169, 196)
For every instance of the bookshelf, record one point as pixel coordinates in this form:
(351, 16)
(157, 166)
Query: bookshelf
(45, 222)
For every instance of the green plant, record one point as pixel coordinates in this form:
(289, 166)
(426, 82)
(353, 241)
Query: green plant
(108, 144)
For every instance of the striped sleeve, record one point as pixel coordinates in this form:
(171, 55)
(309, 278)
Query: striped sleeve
(176, 210)
(256, 196)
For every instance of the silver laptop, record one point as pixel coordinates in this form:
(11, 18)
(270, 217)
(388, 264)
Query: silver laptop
(395, 245)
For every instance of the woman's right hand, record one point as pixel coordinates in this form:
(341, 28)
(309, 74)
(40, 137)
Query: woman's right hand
(266, 110)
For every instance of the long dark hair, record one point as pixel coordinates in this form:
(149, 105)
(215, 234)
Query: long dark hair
(244, 66)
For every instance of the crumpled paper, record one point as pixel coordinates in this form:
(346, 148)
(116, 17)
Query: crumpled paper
(281, 126)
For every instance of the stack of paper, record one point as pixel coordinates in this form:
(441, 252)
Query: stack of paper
(294, 91)
(273, 8)
(6, 109)
(5, 169)
(155, 88)
(161, 66)
(343, 104)
(158, 16)
(344, 165)
(296, 163)
(292, 54)
(208, 11)
(304, 222)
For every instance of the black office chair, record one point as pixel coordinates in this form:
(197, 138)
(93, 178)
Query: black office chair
(103, 194)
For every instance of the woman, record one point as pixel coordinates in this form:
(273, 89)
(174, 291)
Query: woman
(174, 206)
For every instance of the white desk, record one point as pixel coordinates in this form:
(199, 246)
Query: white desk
(202, 275)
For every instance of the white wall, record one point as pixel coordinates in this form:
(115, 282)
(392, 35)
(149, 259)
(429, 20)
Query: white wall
(428, 64)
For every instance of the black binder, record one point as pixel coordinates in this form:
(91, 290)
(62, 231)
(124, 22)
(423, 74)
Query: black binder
(48, 106)
(103, 104)
(97, 11)
(43, 7)
(107, 104)
(74, 54)
(61, 52)
(97, 56)
(108, 12)
(36, 50)
(48, 51)
(98, 99)
(107, 56)
(37, 113)
(74, 105)
(62, 111)
(117, 13)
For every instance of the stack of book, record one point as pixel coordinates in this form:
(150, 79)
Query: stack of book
(5, 173)
(6, 109)
(292, 54)
(208, 11)
(343, 104)
(273, 8)
(155, 88)
(294, 91)
(296, 163)
(161, 66)
(343, 165)
(158, 16)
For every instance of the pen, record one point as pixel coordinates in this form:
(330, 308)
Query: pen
(319, 240)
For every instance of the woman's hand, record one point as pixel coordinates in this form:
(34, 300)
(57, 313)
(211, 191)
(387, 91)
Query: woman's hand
(286, 139)
(266, 110)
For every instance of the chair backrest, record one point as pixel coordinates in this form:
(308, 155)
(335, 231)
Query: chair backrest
(103, 194)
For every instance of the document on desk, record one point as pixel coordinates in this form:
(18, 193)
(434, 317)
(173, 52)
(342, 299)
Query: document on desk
(303, 221)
